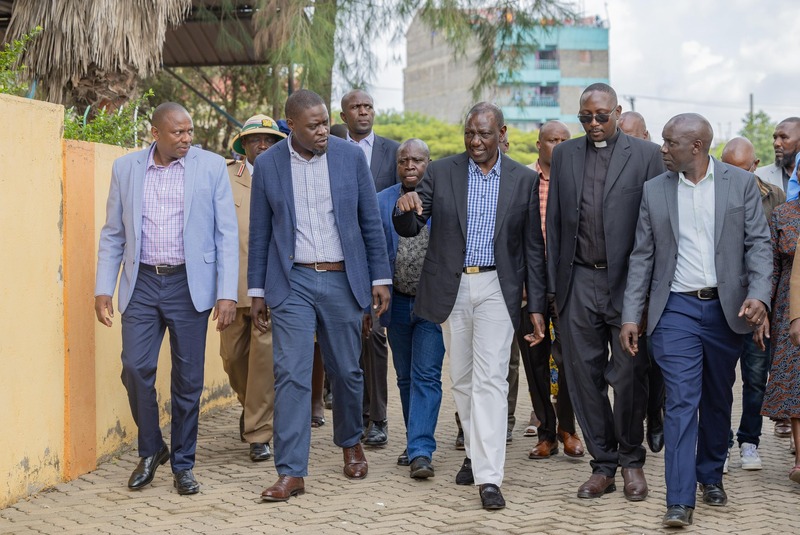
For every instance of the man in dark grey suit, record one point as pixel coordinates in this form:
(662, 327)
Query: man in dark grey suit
(703, 255)
(358, 114)
(485, 243)
(595, 188)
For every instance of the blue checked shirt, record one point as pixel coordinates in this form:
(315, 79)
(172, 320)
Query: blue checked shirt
(482, 191)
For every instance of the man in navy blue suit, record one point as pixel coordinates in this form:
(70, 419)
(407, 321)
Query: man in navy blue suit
(318, 260)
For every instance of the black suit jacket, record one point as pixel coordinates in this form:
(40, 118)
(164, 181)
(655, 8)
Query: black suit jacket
(518, 243)
(632, 163)
(384, 163)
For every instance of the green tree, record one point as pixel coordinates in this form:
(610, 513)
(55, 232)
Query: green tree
(446, 139)
(758, 128)
(323, 36)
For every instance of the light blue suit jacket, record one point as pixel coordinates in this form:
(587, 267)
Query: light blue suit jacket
(210, 232)
(273, 221)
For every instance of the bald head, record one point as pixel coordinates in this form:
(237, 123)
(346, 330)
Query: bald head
(694, 126)
(739, 152)
(167, 109)
(550, 134)
(687, 139)
(632, 123)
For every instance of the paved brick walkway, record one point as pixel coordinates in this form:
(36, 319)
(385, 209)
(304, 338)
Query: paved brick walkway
(540, 494)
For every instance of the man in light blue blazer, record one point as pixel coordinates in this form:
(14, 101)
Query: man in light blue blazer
(318, 259)
(701, 272)
(171, 225)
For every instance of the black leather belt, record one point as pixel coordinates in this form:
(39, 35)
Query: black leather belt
(163, 269)
(704, 294)
(598, 265)
(323, 266)
(469, 270)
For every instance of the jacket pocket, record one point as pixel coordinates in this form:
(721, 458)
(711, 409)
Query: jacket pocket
(210, 257)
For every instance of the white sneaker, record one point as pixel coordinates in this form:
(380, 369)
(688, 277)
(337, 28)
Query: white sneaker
(727, 459)
(750, 458)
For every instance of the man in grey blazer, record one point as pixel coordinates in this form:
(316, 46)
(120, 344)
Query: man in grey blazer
(786, 143)
(171, 225)
(358, 113)
(595, 188)
(702, 267)
(318, 259)
(485, 243)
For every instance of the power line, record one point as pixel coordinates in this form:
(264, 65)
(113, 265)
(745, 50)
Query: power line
(709, 104)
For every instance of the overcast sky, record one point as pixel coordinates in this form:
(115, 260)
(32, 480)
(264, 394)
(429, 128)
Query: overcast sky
(704, 56)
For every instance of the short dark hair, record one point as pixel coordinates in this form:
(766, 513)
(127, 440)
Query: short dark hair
(602, 88)
(487, 107)
(301, 100)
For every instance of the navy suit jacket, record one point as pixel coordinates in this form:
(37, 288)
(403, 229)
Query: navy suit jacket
(384, 163)
(273, 221)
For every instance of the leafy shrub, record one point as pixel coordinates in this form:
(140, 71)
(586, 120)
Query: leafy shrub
(123, 127)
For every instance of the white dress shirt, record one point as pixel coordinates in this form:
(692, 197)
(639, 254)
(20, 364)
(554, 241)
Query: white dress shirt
(366, 145)
(695, 268)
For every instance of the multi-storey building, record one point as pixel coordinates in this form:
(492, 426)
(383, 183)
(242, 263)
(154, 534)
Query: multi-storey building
(568, 58)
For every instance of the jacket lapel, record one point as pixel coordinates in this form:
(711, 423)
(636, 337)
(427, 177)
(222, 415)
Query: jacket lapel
(378, 151)
(284, 174)
(578, 163)
(622, 151)
(508, 183)
(459, 177)
(722, 186)
(189, 174)
(671, 200)
(137, 190)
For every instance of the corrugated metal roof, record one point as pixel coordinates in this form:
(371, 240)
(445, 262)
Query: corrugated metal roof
(209, 36)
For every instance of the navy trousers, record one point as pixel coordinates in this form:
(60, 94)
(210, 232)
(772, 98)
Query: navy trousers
(321, 303)
(158, 303)
(697, 352)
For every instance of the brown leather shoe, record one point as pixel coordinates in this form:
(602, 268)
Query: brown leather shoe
(572, 444)
(635, 488)
(596, 486)
(283, 489)
(355, 464)
(543, 449)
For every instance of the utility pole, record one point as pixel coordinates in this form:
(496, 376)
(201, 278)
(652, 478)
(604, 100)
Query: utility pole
(632, 100)
(751, 106)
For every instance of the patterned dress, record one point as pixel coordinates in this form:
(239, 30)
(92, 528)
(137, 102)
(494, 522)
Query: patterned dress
(782, 398)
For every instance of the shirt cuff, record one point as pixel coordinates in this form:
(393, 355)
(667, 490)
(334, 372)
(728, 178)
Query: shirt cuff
(255, 292)
(382, 282)
(630, 323)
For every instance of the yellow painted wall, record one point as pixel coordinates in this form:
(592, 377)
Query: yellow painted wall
(31, 290)
(52, 195)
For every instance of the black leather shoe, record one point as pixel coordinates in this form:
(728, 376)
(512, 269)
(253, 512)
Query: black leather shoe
(259, 451)
(460, 439)
(464, 475)
(378, 434)
(421, 468)
(714, 494)
(402, 459)
(678, 516)
(241, 427)
(491, 497)
(655, 432)
(145, 471)
(185, 482)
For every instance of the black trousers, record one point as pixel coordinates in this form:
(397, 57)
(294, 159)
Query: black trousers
(536, 361)
(590, 324)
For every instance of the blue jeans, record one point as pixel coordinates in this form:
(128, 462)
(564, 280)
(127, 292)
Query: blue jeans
(321, 303)
(417, 352)
(754, 365)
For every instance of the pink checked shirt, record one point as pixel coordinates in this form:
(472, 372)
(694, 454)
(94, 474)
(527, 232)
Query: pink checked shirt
(162, 213)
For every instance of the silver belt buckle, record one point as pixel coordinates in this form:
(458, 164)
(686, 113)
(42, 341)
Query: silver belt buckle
(705, 295)
(317, 269)
(159, 268)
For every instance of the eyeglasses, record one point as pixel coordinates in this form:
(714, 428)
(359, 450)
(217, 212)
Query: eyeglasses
(602, 118)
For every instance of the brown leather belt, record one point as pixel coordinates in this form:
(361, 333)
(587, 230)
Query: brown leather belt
(163, 269)
(704, 294)
(323, 266)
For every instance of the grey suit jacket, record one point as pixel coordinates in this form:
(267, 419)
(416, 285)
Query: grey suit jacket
(518, 243)
(632, 162)
(771, 175)
(384, 163)
(743, 258)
